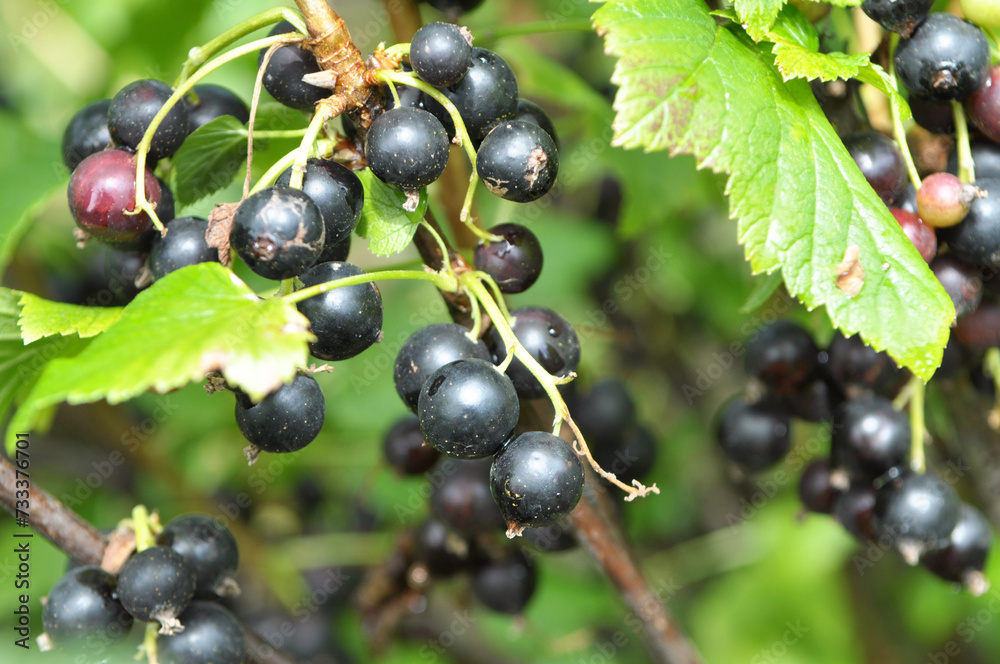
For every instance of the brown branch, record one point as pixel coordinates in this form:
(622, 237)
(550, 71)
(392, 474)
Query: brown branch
(335, 52)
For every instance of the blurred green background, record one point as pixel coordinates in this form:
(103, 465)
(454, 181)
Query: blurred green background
(640, 257)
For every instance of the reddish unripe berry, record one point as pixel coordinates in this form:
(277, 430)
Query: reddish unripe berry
(921, 235)
(943, 200)
(102, 196)
(984, 105)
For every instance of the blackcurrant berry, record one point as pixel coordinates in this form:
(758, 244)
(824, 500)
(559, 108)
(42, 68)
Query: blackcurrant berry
(183, 245)
(631, 457)
(814, 401)
(86, 133)
(405, 449)
(900, 16)
(869, 437)
(208, 548)
(335, 253)
(102, 194)
(505, 585)
(514, 262)
(908, 201)
(286, 420)
(346, 320)
(440, 53)
(536, 479)
(84, 605)
(943, 200)
(553, 538)
(754, 436)
(981, 328)
(529, 111)
(212, 635)
(427, 350)
(409, 97)
(462, 497)
(816, 490)
(407, 147)
(165, 209)
(157, 584)
(546, 336)
(880, 161)
(977, 239)
(920, 234)
(604, 411)
(284, 72)
(278, 232)
(783, 355)
(935, 117)
(486, 95)
(454, 7)
(855, 511)
(214, 101)
(444, 551)
(853, 365)
(917, 513)
(518, 161)
(467, 409)
(945, 58)
(336, 191)
(132, 110)
(960, 281)
(964, 558)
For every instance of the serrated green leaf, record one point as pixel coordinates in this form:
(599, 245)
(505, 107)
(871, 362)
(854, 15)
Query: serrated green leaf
(43, 318)
(388, 227)
(757, 16)
(689, 85)
(208, 160)
(197, 319)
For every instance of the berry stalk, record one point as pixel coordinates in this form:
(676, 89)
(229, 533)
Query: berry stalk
(442, 280)
(966, 167)
(897, 123)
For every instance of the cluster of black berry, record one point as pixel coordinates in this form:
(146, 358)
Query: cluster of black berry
(866, 483)
(173, 582)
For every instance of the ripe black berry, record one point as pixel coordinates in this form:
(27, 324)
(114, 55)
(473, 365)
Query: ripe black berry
(211, 635)
(454, 7)
(286, 420)
(604, 411)
(855, 510)
(462, 497)
(183, 245)
(338, 194)
(505, 585)
(337, 252)
(86, 133)
(467, 409)
(546, 336)
(814, 401)
(900, 16)
(405, 449)
(514, 262)
(816, 491)
(165, 208)
(440, 53)
(630, 457)
(529, 111)
(407, 147)
(935, 117)
(346, 320)
(444, 551)
(754, 436)
(84, 605)
(427, 350)
(486, 95)
(518, 161)
(869, 437)
(961, 281)
(132, 109)
(284, 72)
(964, 558)
(977, 239)
(536, 479)
(984, 106)
(208, 548)
(214, 101)
(553, 538)
(852, 364)
(157, 584)
(917, 513)
(980, 329)
(783, 355)
(945, 58)
(278, 232)
(102, 193)
(880, 161)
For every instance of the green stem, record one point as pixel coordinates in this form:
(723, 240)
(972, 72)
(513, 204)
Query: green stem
(497, 293)
(305, 147)
(535, 28)
(279, 133)
(917, 459)
(140, 524)
(141, 204)
(149, 643)
(897, 123)
(398, 50)
(442, 280)
(200, 54)
(991, 363)
(268, 178)
(966, 167)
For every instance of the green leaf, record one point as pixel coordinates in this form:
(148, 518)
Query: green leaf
(764, 287)
(208, 160)
(689, 85)
(757, 16)
(43, 318)
(388, 227)
(197, 319)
